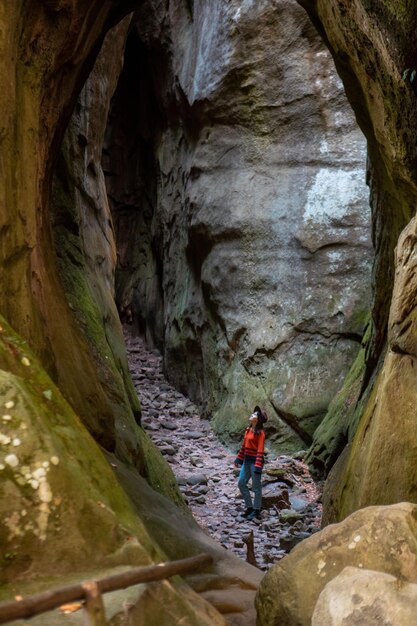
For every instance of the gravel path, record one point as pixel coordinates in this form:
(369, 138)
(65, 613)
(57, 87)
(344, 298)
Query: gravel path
(204, 470)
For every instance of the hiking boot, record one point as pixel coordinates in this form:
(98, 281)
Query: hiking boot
(254, 514)
(248, 512)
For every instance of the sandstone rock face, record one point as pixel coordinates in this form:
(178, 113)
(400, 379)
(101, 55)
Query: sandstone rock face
(385, 433)
(372, 44)
(63, 512)
(84, 241)
(46, 40)
(254, 240)
(383, 539)
(384, 102)
(55, 483)
(364, 597)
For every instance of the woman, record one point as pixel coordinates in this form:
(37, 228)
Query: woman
(251, 459)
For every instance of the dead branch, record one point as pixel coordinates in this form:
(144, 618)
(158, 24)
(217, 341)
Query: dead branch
(250, 555)
(48, 600)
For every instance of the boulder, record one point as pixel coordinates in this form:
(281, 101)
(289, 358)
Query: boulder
(273, 495)
(380, 538)
(366, 598)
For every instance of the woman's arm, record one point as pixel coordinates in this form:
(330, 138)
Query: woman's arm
(259, 463)
(241, 454)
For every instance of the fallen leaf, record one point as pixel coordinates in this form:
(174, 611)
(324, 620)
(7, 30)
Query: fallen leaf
(70, 608)
(48, 394)
(113, 464)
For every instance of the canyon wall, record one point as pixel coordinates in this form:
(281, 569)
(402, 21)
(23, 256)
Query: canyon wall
(63, 511)
(48, 459)
(47, 56)
(241, 210)
(373, 47)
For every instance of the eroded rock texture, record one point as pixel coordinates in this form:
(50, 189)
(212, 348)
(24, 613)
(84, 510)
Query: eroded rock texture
(373, 45)
(195, 137)
(62, 510)
(236, 176)
(365, 596)
(380, 538)
(84, 241)
(47, 55)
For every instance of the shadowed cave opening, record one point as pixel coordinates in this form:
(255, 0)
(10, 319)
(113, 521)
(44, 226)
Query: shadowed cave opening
(242, 222)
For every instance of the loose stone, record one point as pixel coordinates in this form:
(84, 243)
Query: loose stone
(212, 494)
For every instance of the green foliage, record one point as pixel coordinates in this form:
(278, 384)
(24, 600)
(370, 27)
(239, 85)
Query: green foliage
(409, 74)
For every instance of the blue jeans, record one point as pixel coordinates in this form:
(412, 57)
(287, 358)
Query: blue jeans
(247, 472)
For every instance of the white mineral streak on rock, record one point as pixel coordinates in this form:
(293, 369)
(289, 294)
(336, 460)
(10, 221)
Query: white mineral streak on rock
(39, 473)
(331, 193)
(13, 524)
(45, 493)
(11, 460)
(204, 60)
(353, 544)
(43, 517)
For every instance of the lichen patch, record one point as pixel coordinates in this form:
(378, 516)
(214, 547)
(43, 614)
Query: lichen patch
(11, 460)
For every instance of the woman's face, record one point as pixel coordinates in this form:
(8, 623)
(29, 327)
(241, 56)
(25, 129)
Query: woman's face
(253, 419)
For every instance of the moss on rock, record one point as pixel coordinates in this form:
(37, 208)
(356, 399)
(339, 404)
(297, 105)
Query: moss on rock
(340, 423)
(57, 485)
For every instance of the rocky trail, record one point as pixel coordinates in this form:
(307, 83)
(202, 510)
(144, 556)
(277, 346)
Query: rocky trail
(204, 470)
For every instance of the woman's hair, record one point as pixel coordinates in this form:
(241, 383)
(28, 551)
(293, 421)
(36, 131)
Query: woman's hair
(262, 418)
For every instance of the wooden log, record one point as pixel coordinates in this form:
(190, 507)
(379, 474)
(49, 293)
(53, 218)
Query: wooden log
(250, 554)
(48, 600)
(94, 614)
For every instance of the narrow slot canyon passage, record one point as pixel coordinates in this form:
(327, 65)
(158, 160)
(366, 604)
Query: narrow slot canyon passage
(203, 467)
(242, 228)
(208, 207)
(241, 217)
